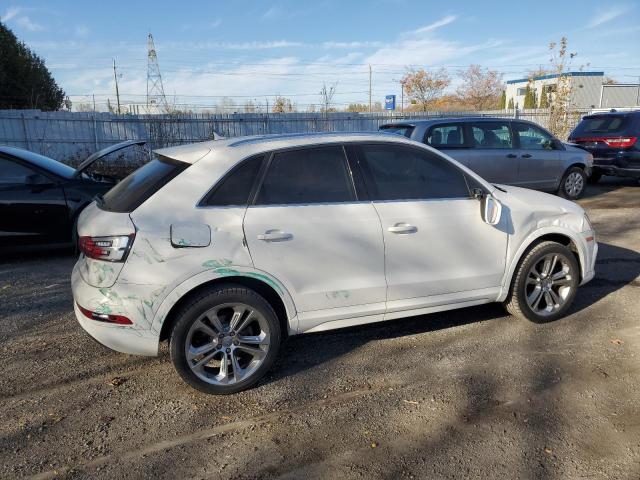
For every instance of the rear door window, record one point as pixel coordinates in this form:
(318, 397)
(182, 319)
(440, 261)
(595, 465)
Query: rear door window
(306, 176)
(446, 136)
(491, 135)
(397, 172)
(602, 124)
(131, 192)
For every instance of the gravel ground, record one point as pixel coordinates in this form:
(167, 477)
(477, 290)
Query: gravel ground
(471, 393)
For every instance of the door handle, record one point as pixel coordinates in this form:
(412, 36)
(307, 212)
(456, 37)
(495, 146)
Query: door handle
(402, 228)
(527, 155)
(511, 155)
(274, 236)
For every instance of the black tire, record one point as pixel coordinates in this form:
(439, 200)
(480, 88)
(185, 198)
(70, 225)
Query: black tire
(565, 190)
(205, 301)
(594, 178)
(516, 302)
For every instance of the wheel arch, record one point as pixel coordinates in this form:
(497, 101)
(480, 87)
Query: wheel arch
(564, 237)
(281, 302)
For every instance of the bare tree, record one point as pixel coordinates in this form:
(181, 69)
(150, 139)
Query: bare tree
(250, 107)
(326, 96)
(423, 87)
(481, 88)
(561, 95)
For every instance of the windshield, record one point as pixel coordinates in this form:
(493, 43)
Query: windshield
(601, 124)
(405, 130)
(131, 192)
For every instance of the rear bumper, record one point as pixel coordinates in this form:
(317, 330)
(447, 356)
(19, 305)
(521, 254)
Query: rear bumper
(616, 171)
(129, 301)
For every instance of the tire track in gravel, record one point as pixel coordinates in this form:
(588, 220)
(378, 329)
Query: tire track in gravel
(213, 431)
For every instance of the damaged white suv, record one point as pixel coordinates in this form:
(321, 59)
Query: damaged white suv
(225, 248)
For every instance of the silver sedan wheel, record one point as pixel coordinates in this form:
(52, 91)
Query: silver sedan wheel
(549, 283)
(574, 184)
(227, 344)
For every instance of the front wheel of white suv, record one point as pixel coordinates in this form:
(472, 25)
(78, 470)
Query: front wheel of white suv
(544, 284)
(225, 340)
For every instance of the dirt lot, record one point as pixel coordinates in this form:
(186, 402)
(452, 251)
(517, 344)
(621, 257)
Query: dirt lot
(471, 393)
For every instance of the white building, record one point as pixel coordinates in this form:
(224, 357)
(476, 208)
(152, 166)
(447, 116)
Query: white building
(620, 95)
(586, 88)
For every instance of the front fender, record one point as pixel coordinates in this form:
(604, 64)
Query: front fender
(578, 239)
(216, 270)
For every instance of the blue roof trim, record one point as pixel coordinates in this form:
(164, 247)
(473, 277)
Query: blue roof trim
(555, 75)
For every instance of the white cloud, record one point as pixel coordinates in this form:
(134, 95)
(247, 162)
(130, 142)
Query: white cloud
(15, 15)
(215, 23)
(604, 16)
(26, 23)
(10, 13)
(433, 26)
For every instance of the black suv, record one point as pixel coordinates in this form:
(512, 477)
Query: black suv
(613, 138)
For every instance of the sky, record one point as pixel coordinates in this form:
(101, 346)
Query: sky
(253, 51)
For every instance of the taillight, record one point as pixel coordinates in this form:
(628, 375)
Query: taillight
(110, 249)
(621, 142)
(104, 317)
(616, 142)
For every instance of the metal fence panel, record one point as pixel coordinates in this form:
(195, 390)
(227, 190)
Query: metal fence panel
(72, 136)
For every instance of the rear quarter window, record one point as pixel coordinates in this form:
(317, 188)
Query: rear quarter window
(136, 188)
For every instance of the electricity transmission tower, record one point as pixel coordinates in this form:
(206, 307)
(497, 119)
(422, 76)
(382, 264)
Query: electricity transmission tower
(156, 100)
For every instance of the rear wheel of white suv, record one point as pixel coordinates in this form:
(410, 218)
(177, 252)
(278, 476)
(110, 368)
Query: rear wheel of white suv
(225, 340)
(544, 283)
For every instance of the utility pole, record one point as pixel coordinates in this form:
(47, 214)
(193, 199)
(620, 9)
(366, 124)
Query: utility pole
(94, 101)
(115, 77)
(369, 88)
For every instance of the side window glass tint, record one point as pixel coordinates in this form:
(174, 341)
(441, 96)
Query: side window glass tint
(491, 135)
(311, 175)
(13, 173)
(235, 188)
(446, 136)
(533, 138)
(401, 173)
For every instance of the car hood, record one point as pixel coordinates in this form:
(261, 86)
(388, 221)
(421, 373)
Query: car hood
(536, 201)
(104, 152)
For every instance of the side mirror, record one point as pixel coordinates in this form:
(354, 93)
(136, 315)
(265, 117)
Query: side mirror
(491, 210)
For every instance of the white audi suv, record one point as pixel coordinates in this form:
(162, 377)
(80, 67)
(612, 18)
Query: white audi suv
(226, 248)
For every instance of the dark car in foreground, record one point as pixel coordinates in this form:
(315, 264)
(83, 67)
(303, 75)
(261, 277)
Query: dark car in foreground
(41, 198)
(613, 138)
(505, 150)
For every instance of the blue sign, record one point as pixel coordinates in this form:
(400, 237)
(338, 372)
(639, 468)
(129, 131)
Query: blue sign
(390, 102)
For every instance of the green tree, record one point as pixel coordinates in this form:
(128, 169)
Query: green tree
(25, 81)
(510, 106)
(503, 100)
(544, 98)
(529, 98)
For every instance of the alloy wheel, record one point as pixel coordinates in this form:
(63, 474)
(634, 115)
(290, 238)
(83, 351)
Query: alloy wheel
(573, 184)
(227, 344)
(549, 284)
